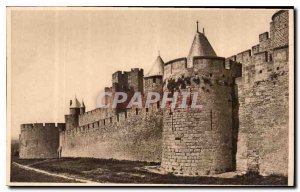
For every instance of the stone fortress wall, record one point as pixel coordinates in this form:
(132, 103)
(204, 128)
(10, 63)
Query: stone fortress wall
(263, 92)
(121, 133)
(94, 116)
(242, 126)
(131, 135)
(199, 141)
(39, 141)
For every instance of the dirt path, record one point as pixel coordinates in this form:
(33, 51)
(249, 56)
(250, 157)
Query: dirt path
(75, 180)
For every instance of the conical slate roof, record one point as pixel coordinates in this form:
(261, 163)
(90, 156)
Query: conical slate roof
(82, 103)
(200, 47)
(157, 68)
(75, 103)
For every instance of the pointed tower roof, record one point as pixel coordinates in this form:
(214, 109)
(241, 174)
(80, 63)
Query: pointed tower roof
(82, 104)
(157, 68)
(200, 47)
(75, 103)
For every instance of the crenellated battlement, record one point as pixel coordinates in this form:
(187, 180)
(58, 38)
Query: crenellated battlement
(175, 66)
(40, 140)
(41, 126)
(269, 56)
(263, 92)
(212, 78)
(132, 70)
(242, 94)
(277, 37)
(28, 125)
(137, 70)
(128, 80)
(139, 131)
(260, 67)
(94, 115)
(214, 67)
(113, 118)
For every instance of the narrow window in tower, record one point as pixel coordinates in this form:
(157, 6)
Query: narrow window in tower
(110, 119)
(103, 121)
(118, 117)
(211, 120)
(136, 111)
(147, 109)
(125, 114)
(266, 57)
(158, 104)
(154, 80)
(270, 57)
(172, 127)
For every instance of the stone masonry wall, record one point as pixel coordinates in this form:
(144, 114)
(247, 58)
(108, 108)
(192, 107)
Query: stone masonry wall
(243, 124)
(199, 141)
(263, 133)
(135, 135)
(153, 84)
(94, 115)
(279, 29)
(263, 93)
(38, 141)
(128, 80)
(135, 79)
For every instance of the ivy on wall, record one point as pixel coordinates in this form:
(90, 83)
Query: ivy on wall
(182, 82)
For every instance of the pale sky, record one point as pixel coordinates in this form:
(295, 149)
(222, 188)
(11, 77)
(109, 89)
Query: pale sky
(56, 54)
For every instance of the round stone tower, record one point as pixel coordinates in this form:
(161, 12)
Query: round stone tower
(200, 47)
(153, 80)
(198, 141)
(72, 120)
(38, 141)
(82, 108)
(279, 29)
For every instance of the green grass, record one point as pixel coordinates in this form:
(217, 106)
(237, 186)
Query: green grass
(19, 174)
(116, 171)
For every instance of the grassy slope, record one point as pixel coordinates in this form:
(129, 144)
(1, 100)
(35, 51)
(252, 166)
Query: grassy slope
(115, 171)
(21, 175)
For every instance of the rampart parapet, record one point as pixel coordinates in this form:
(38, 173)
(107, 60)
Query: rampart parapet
(40, 141)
